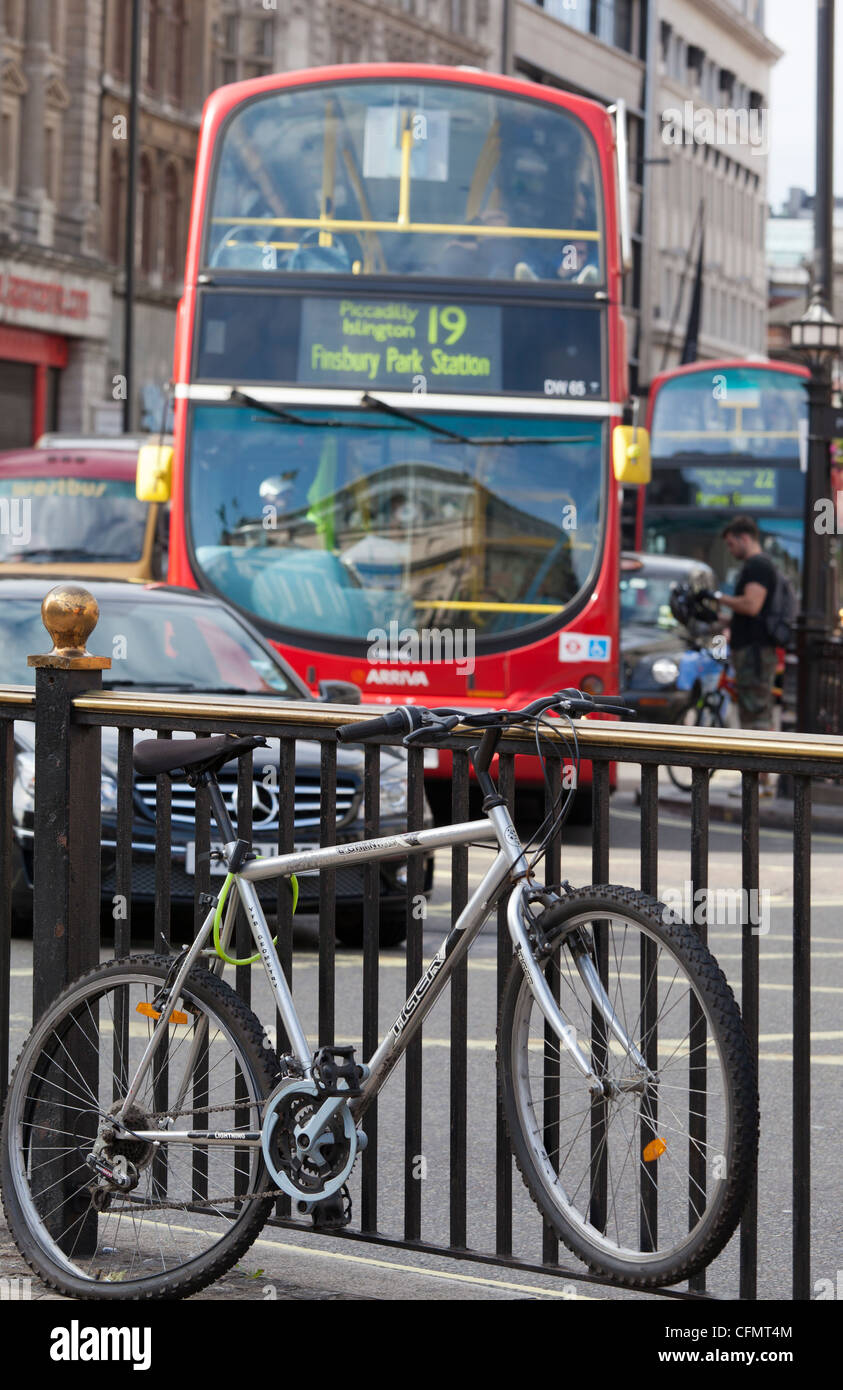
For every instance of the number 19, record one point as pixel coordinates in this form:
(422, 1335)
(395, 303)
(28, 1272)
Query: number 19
(452, 319)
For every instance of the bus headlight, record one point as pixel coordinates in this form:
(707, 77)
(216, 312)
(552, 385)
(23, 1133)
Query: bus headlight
(664, 671)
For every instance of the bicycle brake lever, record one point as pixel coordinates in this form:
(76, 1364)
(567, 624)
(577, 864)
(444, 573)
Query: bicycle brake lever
(442, 726)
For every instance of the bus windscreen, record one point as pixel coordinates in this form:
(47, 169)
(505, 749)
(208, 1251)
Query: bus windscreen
(407, 178)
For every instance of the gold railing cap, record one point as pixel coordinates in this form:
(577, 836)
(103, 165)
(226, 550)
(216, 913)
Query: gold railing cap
(70, 614)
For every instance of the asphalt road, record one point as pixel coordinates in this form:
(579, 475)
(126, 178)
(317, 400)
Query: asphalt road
(375, 1272)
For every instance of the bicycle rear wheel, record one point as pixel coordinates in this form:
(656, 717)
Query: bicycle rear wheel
(698, 716)
(195, 1207)
(646, 1183)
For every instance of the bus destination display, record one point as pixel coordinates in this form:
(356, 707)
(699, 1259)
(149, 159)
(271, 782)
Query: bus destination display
(405, 346)
(415, 344)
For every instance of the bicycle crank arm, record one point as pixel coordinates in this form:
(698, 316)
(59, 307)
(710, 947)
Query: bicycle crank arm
(541, 990)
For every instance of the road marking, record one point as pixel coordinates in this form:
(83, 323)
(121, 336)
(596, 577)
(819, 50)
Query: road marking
(818, 837)
(394, 1266)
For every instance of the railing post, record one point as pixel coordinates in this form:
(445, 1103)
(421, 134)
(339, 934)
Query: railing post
(66, 900)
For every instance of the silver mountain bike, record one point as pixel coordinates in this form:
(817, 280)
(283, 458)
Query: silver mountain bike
(150, 1124)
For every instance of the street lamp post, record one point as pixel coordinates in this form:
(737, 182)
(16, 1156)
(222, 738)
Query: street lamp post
(819, 339)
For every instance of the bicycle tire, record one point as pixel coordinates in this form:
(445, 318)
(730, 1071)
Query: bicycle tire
(73, 1067)
(646, 1242)
(698, 716)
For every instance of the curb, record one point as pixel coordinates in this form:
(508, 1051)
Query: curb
(773, 814)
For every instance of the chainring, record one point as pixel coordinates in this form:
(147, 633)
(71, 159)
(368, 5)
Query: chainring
(303, 1175)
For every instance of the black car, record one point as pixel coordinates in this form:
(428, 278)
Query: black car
(167, 639)
(652, 641)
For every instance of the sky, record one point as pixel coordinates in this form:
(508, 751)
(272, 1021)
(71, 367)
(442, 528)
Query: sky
(791, 24)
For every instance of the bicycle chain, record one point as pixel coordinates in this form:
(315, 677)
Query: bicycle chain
(271, 1192)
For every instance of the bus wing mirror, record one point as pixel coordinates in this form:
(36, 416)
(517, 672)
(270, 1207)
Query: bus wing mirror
(631, 455)
(153, 482)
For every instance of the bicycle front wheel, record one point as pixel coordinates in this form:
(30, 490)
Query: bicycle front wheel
(193, 1207)
(698, 716)
(647, 1182)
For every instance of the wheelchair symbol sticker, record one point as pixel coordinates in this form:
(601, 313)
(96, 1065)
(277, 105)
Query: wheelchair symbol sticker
(580, 646)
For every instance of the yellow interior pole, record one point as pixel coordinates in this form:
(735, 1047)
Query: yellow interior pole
(404, 186)
(329, 156)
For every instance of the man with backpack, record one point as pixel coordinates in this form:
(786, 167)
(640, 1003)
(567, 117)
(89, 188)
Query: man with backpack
(762, 609)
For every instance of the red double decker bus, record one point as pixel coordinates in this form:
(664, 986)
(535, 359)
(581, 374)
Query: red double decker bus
(399, 362)
(726, 437)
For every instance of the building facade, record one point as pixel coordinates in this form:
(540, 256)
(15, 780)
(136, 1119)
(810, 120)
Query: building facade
(55, 293)
(694, 75)
(64, 170)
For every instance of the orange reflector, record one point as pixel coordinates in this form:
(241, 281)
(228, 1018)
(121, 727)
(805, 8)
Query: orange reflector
(149, 1012)
(654, 1150)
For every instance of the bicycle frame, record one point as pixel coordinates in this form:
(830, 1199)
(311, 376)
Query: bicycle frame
(509, 863)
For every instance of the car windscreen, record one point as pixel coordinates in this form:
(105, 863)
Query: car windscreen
(154, 642)
(645, 600)
(70, 518)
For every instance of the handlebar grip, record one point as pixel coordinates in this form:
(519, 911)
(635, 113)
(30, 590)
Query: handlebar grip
(398, 721)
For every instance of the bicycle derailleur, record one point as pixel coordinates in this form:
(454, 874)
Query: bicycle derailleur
(309, 1138)
(118, 1158)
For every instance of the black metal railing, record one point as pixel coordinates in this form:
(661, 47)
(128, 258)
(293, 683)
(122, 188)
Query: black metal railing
(70, 713)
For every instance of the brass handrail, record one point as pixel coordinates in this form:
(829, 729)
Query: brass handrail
(591, 734)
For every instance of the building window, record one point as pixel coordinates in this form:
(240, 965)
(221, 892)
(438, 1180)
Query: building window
(52, 161)
(14, 19)
(120, 30)
(227, 55)
(9, 147)
(577, 13)
(56, 25)
(144, 244)
(153, 34)
(176, 34)
(116, 184)
(458, 16)
(614, 23)
(172, 225)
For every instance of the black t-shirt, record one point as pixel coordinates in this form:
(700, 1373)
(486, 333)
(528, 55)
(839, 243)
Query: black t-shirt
(746, 631)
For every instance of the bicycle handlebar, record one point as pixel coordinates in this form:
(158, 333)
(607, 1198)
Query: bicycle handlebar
(416, 721)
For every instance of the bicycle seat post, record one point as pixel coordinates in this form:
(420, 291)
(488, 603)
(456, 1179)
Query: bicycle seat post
(218, 806)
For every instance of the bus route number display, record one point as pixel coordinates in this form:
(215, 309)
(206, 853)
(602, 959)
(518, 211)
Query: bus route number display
(733, 487)
(398, 345)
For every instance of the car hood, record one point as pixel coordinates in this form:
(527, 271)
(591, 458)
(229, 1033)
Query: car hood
(638, 642)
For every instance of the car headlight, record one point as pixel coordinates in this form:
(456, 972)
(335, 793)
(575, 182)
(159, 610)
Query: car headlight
(23, 791)
(393, 788)
(664, 671)
(108, 794)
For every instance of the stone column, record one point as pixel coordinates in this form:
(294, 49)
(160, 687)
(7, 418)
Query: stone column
(36, 210)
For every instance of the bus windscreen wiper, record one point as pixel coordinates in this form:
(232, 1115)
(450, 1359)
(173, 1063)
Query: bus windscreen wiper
(375, 403)
(288, 418)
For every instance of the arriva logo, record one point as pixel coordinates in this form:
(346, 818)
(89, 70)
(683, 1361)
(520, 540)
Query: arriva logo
(376, 677)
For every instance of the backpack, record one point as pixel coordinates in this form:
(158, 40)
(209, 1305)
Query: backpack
(780, 616)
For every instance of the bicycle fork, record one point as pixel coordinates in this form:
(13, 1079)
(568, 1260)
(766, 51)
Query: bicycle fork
(515, 917)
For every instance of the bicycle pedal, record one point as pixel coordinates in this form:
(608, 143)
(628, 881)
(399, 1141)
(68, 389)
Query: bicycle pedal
(336, 1073)
(334, 1213)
